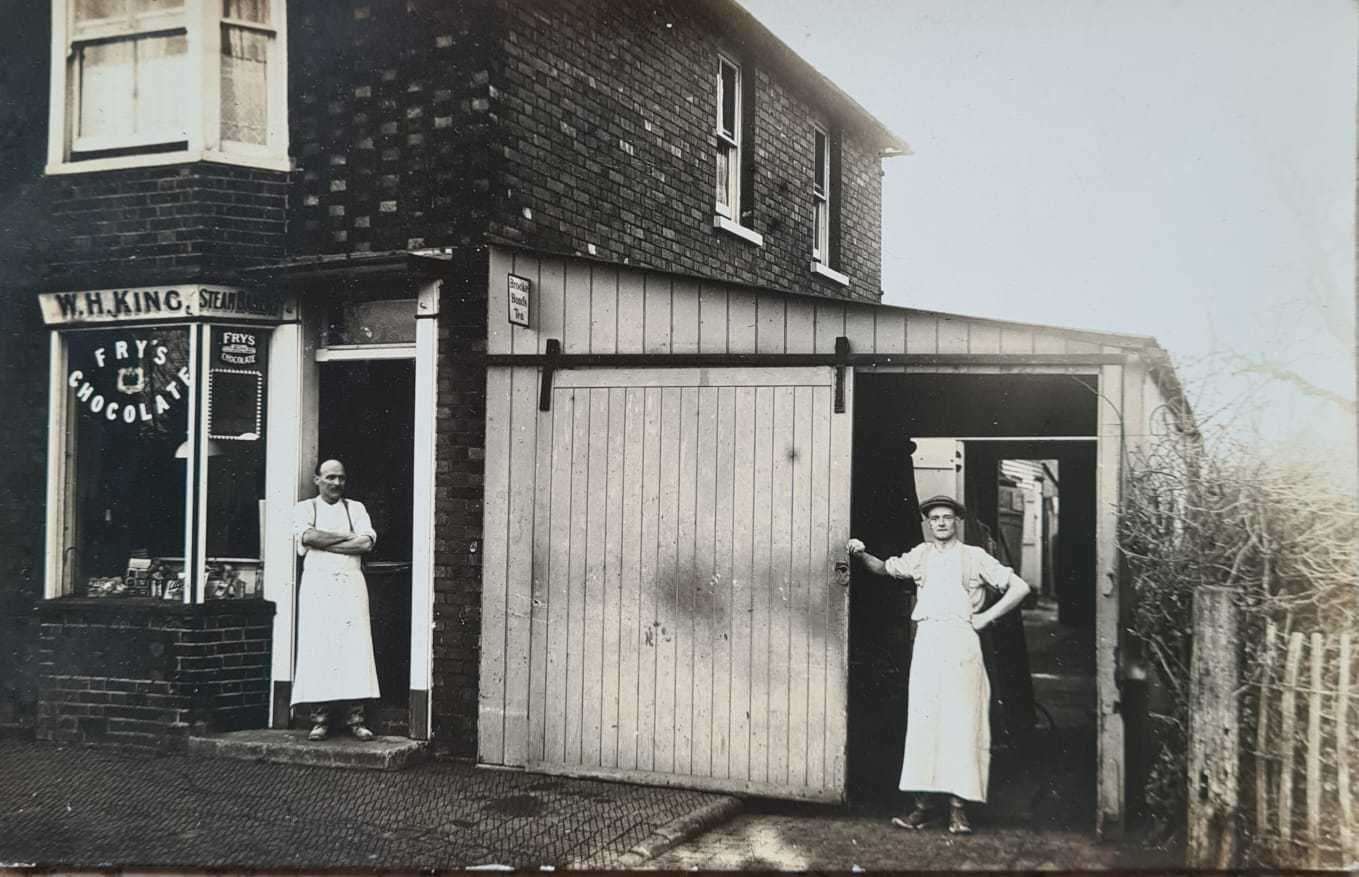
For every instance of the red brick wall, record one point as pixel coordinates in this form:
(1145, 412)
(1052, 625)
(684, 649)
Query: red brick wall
(140, 674)
(388, 123)
(607, 112)
(156, 225)
(460, 443)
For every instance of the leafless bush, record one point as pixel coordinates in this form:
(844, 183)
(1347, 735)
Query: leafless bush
(1277, 534)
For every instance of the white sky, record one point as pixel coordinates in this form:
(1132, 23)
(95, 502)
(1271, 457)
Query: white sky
(1176, 168)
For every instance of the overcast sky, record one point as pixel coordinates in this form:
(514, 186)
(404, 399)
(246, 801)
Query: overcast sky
(1176, 168)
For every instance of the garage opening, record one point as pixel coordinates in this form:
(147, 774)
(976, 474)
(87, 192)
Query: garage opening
(1019, 451)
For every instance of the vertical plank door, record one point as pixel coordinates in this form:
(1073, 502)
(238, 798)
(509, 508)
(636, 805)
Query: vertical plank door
(695, 631)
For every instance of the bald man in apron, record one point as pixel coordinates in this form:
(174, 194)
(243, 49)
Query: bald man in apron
(948, 730)
(336, 672)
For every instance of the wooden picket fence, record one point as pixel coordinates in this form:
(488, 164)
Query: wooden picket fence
(1274, 733)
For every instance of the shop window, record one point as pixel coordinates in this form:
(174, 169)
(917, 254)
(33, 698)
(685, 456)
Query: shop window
(159, 81)
(153, 509)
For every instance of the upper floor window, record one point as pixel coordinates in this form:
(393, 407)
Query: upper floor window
(146, 82)
(826, 206)
(735, 106)
(821, 190)
(728, 139)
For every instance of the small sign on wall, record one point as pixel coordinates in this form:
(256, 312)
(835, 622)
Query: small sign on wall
(519, 297)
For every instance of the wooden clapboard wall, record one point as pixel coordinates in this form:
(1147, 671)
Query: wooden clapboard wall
(593, 307)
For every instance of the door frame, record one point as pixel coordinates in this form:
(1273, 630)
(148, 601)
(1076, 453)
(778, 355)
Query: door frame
(294, 358)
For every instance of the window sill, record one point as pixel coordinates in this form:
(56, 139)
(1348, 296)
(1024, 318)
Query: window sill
(746, 234)
(165, 159)
(830, 274)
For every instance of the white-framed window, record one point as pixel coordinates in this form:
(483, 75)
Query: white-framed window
(147, 82)
(728, 138)
(821, 194)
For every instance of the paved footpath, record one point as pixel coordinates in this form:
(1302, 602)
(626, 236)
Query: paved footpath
(72, 807)
(836, 840)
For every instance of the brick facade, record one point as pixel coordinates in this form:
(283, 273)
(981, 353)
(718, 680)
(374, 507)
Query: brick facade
(574, 126)
(627, 93)
(389, 120)
(141, 673)
(156, 225)
(460, 444)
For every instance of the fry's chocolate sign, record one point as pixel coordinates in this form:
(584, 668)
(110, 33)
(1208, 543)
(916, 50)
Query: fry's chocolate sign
(129, 379)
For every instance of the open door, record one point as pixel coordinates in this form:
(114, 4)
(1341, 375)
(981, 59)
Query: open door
(687, 593)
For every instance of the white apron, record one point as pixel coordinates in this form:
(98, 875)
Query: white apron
(948, 728)
(334, 634)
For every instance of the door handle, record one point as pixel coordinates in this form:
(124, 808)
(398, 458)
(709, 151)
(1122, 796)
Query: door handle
(842, 573)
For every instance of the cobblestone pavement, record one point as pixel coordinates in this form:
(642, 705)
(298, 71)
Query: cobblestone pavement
(81, 807)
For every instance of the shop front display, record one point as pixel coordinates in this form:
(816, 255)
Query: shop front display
(161, 442)
(156, 514)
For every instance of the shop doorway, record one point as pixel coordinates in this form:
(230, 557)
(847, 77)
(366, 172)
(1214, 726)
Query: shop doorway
(966, 435)
(366, 419)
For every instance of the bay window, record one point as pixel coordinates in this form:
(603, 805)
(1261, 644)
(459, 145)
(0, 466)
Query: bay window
(144, 82)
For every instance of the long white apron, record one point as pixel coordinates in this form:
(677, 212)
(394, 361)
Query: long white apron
(334, 634)
(948, 728)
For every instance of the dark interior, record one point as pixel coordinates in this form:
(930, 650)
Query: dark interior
(1040, 771)
(367, 422)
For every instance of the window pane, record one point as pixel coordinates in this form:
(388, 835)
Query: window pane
(143, 7)
(820, 162)
(247, 10)
(237, 376)
(729, 88)
(245, 86)
(106, 90)
(162, 84)
(87, 11)
(129, 420)
(724, 175)
(371, 322)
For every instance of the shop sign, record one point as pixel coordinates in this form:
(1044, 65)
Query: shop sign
(129, 380)
(161, 303)
(519, 289)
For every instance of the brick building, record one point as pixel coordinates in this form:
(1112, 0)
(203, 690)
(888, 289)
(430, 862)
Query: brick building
(479, 250)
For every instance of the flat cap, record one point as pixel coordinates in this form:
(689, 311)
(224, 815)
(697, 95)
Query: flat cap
(941, 499)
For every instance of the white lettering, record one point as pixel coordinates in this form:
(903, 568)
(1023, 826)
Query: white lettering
(97, 404)
(161, 405)
(85, 392)
(129, 414)
(74, 379)
(141, 348)
(160, 354)
(111, 412)
(173, 390)
(184, 375)
(120, 349)
(146, 415)
(99, 356)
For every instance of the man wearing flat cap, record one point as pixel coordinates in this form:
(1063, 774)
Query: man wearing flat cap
(948, 730)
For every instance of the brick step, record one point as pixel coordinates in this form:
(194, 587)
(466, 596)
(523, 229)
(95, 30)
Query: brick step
(293, 747)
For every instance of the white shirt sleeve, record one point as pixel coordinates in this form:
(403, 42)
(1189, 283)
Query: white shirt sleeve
(995, 573)
(904, 566)
(363, 524)
(302, 522)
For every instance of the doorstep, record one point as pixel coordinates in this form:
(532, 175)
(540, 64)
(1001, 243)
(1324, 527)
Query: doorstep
(293, 747)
